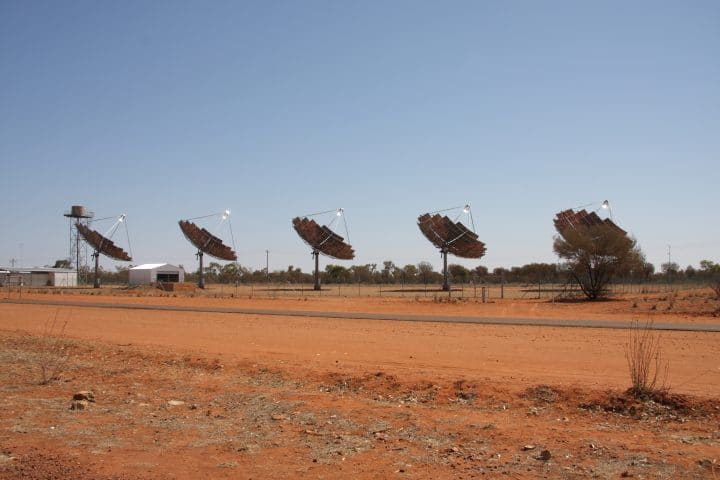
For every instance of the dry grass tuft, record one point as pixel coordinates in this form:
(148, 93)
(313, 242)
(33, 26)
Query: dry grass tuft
(53, 356)
(648, 370)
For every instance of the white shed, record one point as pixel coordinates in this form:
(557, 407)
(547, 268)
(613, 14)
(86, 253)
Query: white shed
(60, 277)
(156, 272)
(39, 277)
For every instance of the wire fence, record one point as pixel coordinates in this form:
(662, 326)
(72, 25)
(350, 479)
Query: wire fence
(481, 292)
(478, 291)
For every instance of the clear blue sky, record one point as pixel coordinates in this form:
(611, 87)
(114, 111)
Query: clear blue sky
(174, 109)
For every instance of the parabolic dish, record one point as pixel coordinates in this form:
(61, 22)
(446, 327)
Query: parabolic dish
(455, 237)
(206, 242)
(101, 244)
(322, 239)
(582, 219)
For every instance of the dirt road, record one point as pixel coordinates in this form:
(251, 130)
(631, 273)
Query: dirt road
(538, 322)
(520, 354)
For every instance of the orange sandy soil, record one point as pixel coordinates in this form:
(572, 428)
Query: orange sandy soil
(698, 306)
(188, 394)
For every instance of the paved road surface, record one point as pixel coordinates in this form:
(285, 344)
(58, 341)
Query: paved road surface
(543, 322)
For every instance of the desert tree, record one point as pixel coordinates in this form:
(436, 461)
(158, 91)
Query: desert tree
(337, 274)
(480, 272)
(410, 273)
(62, 263)
(425, 271)
(708, 267)
(710, 271)
(388, 271)
(362, 273)
(670, 269)
(595, 253)
(212, 272)
(232, 272)
(459, 273)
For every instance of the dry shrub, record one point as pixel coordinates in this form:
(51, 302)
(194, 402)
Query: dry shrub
(648, 370)
(52, 355)
(660, 405)
(542, 394)
(716, 288)
(378, 382)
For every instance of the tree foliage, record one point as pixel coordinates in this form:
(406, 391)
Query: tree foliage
(596, 254)
(707, 273)
(458, 273)
(62, 263)
(670, 268)
(425, 271)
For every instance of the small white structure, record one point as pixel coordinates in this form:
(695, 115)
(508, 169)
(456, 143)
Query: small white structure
(156, 272)
(38, 277)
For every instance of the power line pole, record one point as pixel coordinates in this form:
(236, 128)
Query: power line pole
(267, 265)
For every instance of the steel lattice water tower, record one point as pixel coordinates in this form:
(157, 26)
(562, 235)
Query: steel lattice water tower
(77, 215)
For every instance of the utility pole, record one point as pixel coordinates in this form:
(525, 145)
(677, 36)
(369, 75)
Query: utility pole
(267, 265)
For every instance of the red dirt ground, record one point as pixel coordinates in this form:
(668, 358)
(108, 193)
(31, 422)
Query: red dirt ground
(189, 394)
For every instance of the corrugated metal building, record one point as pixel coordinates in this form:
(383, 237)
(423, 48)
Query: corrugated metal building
(156, 272)
(38, 277)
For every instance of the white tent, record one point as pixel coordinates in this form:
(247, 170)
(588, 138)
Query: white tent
(156, 272)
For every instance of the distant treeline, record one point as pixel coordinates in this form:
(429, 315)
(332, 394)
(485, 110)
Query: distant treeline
(424, 273)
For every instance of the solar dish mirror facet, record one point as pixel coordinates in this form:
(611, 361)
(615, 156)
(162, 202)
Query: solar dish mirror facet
(451, 236)
(102, 244)
(583, 219)
(322, 239)
(454, 237)
(206, 242)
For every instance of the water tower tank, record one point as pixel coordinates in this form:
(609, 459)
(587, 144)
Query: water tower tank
(78, 211)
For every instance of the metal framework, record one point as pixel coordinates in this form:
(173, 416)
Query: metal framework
(208, 243)
(78, 215)
(103, 245)
(323, 240)
(451, 237)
